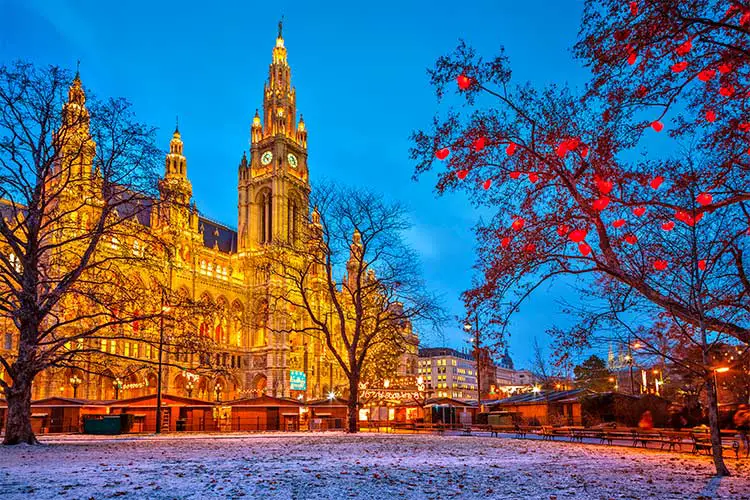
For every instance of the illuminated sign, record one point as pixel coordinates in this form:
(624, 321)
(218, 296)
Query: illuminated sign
(297, 380)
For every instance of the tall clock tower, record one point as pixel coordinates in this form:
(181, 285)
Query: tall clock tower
(274, 183)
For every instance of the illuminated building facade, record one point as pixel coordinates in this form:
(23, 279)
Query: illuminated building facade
(256, 351)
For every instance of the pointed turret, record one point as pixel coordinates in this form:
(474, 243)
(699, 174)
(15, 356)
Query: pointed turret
(279, 104)
(73, 139)
(175, 188)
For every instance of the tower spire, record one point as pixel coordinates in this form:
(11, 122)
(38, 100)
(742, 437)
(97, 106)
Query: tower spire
(281, 23)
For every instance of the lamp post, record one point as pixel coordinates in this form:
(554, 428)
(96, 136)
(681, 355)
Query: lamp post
(477, 357)
(117, 384)
(721, 369)
(164, 309)
(189, 388)
(75, 382)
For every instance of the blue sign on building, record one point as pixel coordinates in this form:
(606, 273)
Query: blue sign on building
(297, 380)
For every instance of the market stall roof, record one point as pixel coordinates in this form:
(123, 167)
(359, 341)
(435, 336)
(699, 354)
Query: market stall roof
(266, 401)
(450, 402)
(328, 402)
(542, 397)
(59, 401)
(166, 400)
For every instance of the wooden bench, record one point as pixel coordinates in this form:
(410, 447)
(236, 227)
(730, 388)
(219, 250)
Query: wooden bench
(547, 433)
(702, 443)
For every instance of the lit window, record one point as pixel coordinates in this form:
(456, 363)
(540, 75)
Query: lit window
(104, 345)
(127, 349)
(135, 349)
(112, 346)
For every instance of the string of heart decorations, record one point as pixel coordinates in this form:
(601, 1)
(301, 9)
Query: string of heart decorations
(604, 187)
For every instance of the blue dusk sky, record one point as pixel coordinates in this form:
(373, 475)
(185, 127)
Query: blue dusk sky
(360, 73)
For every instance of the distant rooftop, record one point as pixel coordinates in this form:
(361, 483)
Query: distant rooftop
(433, 352)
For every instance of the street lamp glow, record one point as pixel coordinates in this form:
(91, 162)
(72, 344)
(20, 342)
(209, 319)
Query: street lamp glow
(467, 327)
(536, 389)
(722, 369)
(331, 395)
(386, 383)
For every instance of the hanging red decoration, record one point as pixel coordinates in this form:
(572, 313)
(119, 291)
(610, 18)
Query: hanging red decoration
(727, 91)
(464, 82)
(744, 127)
(702, 264)
(517, 224)
(479, 144)
(510, 149)
(604, 187)
(530, 248)
(632, 58)
(660, 265)
(461, 174)
(680, 67)
(704, 199)
(442, 154)
(633, 8)
(656, 182)
(710, 116)
(584, 151)
(562, 230)
(515, 174)
(725, 68)
(487, 184)
(584, 248)
(683, 49)
(706, 75)
(533, 177)
(668, 226)
(505, 242)
(577, 235)
(657, 125)
(618, 223)
(639, 211)
(631, 239)
(600, 203)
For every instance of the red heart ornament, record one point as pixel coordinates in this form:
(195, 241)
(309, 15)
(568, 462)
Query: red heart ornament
(530, 248)
(577, 235)
(680, 67)
(562, 150)
(631, 238)
(510, 149)
(704, 199)
(632, 58)
(711, 116)
(725, 68)
(487, 184)
(683, 49)
(600, 203)
(639, 211)
(584, 151)
(706, 75)
(660, 265)
(657, 125)
(633, 8)
(642, 91)
(479, 144)
(505, 242)
(702, 264)
(656, 182)
(517, 224)
(604, 187)
(727, 91)
(515, 174)
(584, 248)
(533, 177)
(618, 223)
(668, 226)
(744, 127)
(562, 230)
(461, 174)
(464, 82)
(442, 154)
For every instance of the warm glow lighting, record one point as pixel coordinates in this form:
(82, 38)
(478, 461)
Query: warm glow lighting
(723, 369)
(386, 383)
(467, 327)
(536, 389)
(331, 395)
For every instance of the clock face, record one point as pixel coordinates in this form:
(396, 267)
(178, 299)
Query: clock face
(266, 158)
(292, 160)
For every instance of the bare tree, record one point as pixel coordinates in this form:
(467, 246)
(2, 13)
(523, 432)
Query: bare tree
(77, 184)
(356, 283)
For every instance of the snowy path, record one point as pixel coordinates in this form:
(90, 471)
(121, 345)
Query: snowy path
(362, 466)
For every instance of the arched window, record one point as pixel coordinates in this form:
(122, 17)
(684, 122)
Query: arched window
(266, 218)
(292, 218)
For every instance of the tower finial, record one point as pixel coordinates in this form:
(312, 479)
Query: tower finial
(177, 124)
(281, 22)
(78, 68)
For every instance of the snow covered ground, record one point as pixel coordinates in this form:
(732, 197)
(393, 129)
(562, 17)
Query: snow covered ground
(362, 466)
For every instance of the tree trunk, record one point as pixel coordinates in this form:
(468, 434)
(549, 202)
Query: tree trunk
(713, 423)
(18, 424)
(352, 411)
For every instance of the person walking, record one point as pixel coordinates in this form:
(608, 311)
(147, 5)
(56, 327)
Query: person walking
(742, 423)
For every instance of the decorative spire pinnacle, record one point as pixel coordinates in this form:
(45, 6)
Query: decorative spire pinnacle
(177, 125)
(78, 70)
(281, 23)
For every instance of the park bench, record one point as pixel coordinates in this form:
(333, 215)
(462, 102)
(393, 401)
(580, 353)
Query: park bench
(702, 443)
(547, 433)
